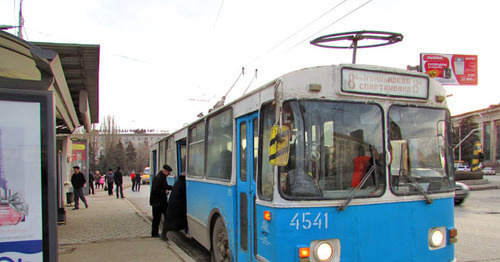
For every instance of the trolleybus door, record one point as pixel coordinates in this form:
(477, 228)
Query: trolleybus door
(247, 141)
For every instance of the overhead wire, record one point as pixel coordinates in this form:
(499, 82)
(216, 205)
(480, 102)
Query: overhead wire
(298, 31)
(288, 38)
(336, 21)
(218, 14)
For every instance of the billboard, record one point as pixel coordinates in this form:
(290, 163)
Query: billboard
(28, 212)
(449, 69)
(21, 181)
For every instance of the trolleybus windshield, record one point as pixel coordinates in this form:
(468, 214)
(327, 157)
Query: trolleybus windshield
(419, 150)
(332, 147)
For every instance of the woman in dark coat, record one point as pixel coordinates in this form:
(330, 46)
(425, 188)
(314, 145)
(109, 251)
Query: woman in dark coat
(176, 212)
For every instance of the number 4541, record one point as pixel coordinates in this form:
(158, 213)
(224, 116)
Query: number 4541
(306, 220)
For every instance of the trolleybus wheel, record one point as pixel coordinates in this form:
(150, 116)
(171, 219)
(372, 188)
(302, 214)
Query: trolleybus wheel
(220, 242)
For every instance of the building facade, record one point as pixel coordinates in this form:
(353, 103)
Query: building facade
(489, 120)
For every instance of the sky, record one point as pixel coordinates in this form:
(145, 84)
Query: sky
(162, 62)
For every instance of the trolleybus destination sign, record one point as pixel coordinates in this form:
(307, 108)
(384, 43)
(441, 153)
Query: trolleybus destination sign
(384, 83)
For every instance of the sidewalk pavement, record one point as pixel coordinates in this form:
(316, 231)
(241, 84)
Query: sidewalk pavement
(111, 229)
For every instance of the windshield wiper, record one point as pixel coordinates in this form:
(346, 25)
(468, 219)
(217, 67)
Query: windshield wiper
(428, 199)
(354, 190)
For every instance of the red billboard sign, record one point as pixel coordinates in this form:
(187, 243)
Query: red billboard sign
(450, 69)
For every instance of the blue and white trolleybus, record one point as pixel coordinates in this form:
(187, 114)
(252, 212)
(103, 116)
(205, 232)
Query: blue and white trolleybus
(331, 163)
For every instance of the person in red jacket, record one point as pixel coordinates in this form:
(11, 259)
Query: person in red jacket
(132, 177)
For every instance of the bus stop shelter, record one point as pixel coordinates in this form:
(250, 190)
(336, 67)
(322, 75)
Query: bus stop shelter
(47, 91)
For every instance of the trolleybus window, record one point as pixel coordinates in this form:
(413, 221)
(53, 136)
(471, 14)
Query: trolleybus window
(265, 182)
(196, 152)
(243, 150)
(219, 145)
(419, 150)
(162, 151)
(171, 155)
(255, 146)
(333, 146)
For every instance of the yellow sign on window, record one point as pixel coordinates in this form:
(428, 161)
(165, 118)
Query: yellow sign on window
(279, 146)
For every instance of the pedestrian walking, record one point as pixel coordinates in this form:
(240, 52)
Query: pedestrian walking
(158, 198)
(132, 178)
(138, 179)
(119, 182)
(109, 180)
(101, 181)
(97, 177)
(175, 218)
(78, 182)
(91, 183)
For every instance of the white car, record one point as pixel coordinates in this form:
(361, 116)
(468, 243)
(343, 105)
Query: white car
(489, 171)
(463, 168)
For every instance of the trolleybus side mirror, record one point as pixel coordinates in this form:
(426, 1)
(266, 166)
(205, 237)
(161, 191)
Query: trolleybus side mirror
(279, 145)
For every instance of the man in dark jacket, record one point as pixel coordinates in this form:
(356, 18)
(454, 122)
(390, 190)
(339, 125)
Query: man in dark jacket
(175, 218)
(158, 198)
(91, 183)
(109, 180)
(78, 181)
(118, 178)
(137, 179)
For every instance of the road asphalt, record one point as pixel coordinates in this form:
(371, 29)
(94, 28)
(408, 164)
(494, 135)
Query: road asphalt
(111, 229)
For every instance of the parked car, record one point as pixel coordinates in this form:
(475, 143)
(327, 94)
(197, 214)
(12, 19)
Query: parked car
(145, 175)
(489, 171)
(461, 192)
(463, 168)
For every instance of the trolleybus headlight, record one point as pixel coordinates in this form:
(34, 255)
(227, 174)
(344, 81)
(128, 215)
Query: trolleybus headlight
(437, 237)
(324, 251)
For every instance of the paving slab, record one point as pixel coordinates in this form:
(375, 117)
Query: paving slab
(111, 229)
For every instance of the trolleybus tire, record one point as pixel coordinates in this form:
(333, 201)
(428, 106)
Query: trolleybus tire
(220, 243)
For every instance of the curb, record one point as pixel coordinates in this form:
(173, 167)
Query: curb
(483, 187)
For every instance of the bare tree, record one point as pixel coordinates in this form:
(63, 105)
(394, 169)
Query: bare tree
(142, 156)
(108, 131)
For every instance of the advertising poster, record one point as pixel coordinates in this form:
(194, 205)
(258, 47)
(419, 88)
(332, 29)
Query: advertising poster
(450, 69)
(21, 237)
(79, 158)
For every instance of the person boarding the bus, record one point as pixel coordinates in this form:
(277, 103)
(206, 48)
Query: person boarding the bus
(175, 217)
(78, 182)
(158, 198)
